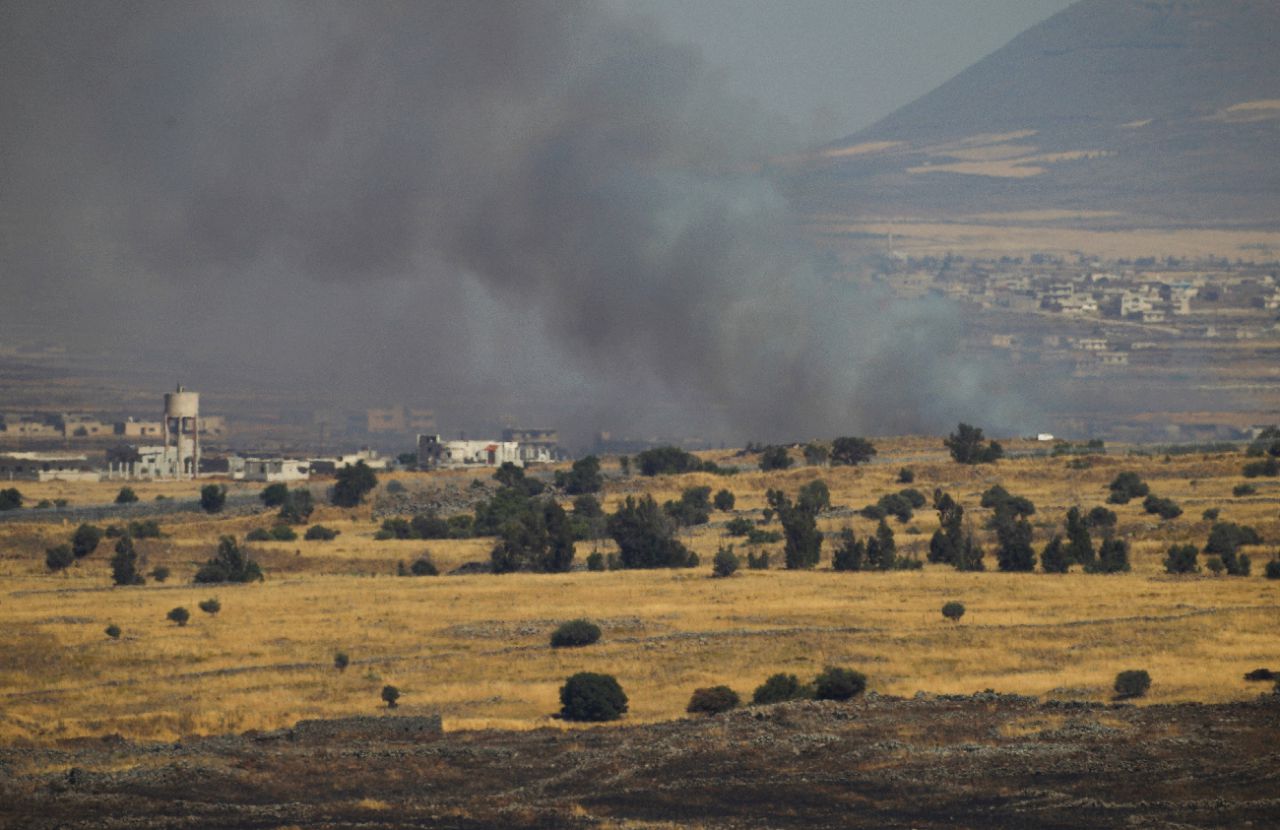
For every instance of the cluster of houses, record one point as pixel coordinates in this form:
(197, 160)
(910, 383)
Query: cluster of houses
(83, 427)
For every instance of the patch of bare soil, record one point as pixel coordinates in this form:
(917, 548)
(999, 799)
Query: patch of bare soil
(985, 760)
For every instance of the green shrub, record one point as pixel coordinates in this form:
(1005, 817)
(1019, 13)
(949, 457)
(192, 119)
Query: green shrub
(258, 534)
(273, 495)
(1100, 518)
(755, 536)
(1272, 570)
(1165, 508)
(424, 566)
(283, 533)
(59, 557)
(396, 528)
(739, 526)
(1054, 559)
(145, 529)
(297, 507)
(906, 475)
(1211, 515)
(1244, 490)
(774, 458)
(113, 631)
(953, 610)
(179, 615)
(320, 533)
(850, 552)
(725, 563)
(426, 526)
(836, 683)
(712, 700)
(1182, 560)
(595, 561)
(126, 496)
(210, 606)
(1113, 557)
(10, 499)
(724, 501)
(1214, 564)
(575, 633)
(213, 497)
(85, 540)
(390, 695)
(341, 660)
(230, 564)
(777, 689)
(1270, 468)
(352, 484)
(1132, 683)
(1125, 487)
(124, 565)
(758, 562)
(587, 696)
(159, 573)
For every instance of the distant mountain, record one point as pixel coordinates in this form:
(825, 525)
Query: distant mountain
(1124, 113)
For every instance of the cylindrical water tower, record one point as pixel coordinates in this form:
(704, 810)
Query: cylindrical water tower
(182, 432)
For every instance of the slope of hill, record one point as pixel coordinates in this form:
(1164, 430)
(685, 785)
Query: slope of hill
(1112, 114)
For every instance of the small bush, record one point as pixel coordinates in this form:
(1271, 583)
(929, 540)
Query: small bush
(145, 529)
(724, 500)
(906, 475)
(1165, 508)
(159, 573)
(258, 534)
(1127, 486)
(273, 495)
(59, 558)
(725, 563)
(394, 487)
(113, 631)
(179, 615)
(391, 695)
(210, 606)
(213, 497)
(1244, 490)
(424, 566)
(595, 561)
(777, 689)
(758, 562)
(1272, 570)
(1132, 683)
(341, 661)
(1215, 565)
(283, 533)
(85, 541)
(575, 634)
(836, 683)
(126, 496)
(953, 610)
(712, 700)
(1182, 560)
(587, 696)
(320, 533)
(1211, 515)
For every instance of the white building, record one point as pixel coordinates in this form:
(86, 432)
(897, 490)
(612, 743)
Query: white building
(451, 455)
(268, 469)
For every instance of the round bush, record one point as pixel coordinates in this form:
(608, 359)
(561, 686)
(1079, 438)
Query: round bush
(712, 700)
(574, 634)
(424, 566)
(1273, 569)
(113, 631)
(836, 683)
(953, 610)
(778, 688)
(587, 696)
(210, 606)
(258, 534)
(1132, 683)
(391, 695)
(341, 661)
(179, 615)
(725, 562)
(595, 561)
(159, 573)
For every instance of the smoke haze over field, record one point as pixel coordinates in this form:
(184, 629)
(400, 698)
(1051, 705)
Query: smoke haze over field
(546, 209)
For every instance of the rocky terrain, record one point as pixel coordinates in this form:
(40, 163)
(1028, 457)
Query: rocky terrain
(985, 760)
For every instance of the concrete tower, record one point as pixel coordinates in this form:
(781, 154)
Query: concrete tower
(182, 432)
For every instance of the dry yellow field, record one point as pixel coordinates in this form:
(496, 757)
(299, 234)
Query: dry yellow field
(475, 647)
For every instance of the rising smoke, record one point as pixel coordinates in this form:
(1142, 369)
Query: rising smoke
(542, 208)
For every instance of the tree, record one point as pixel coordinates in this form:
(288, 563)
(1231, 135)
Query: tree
(1132, 683)
(353, 483)
(126, 496)
(1113, 557)
(230, 564)
(85, 540)
(273, 495)
(297, 506)
(588, 696)
(836, 683)
(1125, 487)
(948, 543)
(966, 446)
(178, 615)
(815, 454)
(424, 566)
(112, 631)
(59, 557)
(906, 475)
(1054, 558)
(723, 501)
(774, 458)
(584, 477)
(575, 634)
(1079, 543)
(558, 556)
(849, 553)
(850, 451)
(1015, 552)
(953, 610)
(803, 546)
(725, 562)
(881, 549)
(124, 565)
(665, 461)
(341, 660)
(645, 536)
(1181, 559)
(713, 700)
(213, 497)
(814, 496)
(10, 499)
(391, 696)
(210, 606)
(1005, 505)
(159, 573)
(1100, 518)
(1165, 508)
(693, 508)
(778, 688)
(320, 533)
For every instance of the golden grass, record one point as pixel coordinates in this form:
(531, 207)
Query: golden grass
(474, 648)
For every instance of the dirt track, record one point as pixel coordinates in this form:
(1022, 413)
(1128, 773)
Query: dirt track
(980, 761)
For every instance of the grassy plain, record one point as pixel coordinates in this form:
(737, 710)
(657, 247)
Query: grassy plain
(474, 648)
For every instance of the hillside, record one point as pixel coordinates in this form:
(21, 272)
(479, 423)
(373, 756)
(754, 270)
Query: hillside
(1113, 114)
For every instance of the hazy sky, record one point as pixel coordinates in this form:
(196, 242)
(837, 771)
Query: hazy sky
(544, 209)
(836, 66)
